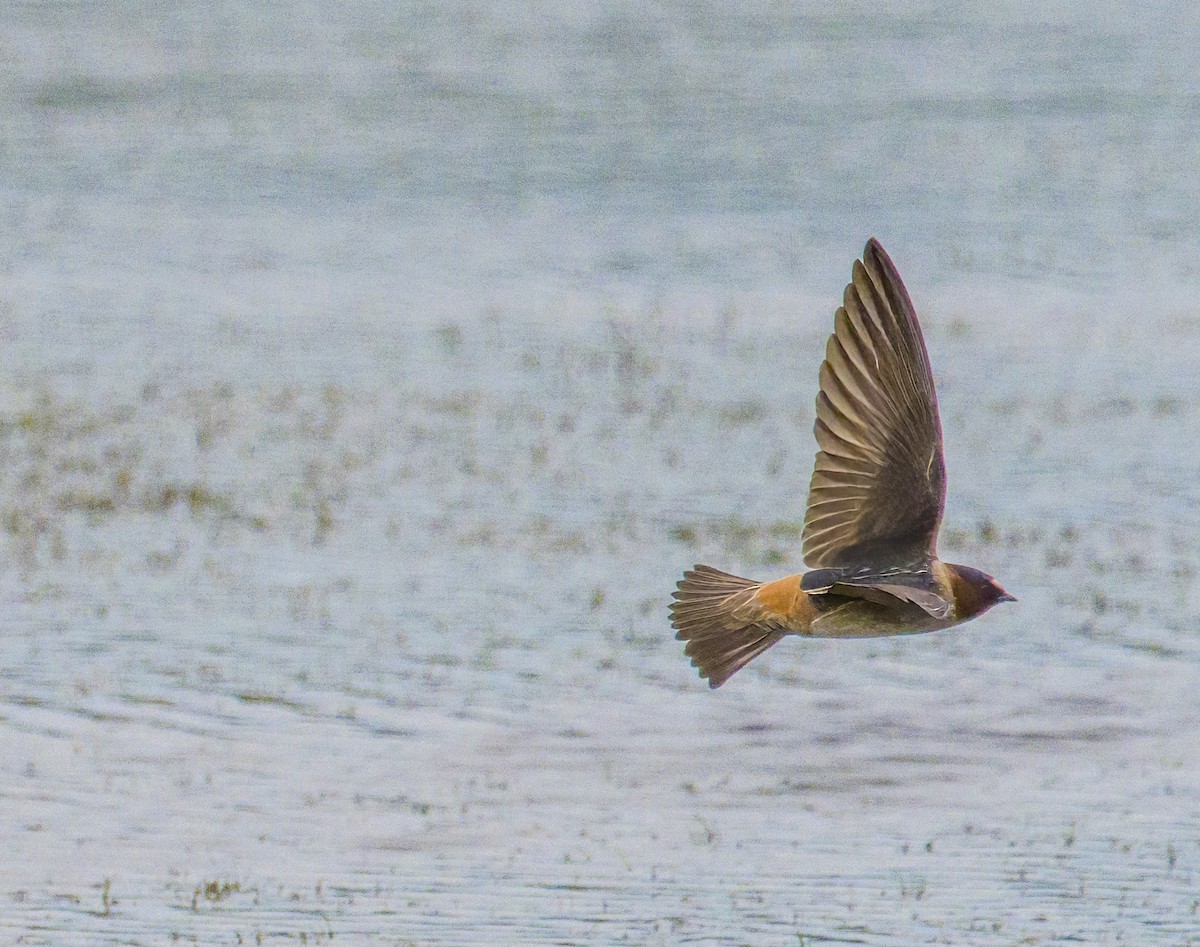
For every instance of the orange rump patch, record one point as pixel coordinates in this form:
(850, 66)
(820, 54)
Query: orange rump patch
(784, 599)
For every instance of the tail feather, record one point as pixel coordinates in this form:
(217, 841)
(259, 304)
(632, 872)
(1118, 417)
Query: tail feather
(725, 666)
(719, 618)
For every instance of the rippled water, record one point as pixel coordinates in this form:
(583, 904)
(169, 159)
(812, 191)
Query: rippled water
(370, 377)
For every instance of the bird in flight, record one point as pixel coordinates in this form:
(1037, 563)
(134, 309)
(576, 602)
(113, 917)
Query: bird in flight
(874, 504)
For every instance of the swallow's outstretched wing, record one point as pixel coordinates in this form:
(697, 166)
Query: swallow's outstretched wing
(879, 482)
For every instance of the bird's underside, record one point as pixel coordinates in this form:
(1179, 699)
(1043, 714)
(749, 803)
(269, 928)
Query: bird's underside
(728, 620)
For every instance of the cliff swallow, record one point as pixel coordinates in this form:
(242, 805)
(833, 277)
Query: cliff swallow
(874, 504)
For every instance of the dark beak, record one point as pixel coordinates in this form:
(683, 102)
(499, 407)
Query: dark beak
(1005, 597)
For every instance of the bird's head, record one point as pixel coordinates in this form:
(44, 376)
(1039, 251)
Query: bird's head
(975, 592)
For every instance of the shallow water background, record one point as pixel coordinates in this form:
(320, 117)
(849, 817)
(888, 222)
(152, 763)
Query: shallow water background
(369, 376)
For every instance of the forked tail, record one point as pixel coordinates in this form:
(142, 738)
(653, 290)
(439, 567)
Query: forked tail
(719, 617)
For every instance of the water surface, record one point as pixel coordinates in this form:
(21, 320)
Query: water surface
(369, 378)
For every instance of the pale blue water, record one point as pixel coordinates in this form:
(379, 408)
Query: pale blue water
(369, 375)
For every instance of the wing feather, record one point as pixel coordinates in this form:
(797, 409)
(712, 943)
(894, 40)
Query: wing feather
(878, 485)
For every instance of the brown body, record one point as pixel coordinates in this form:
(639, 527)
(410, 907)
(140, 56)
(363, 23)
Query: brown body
(785, 602)
(875, 504)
